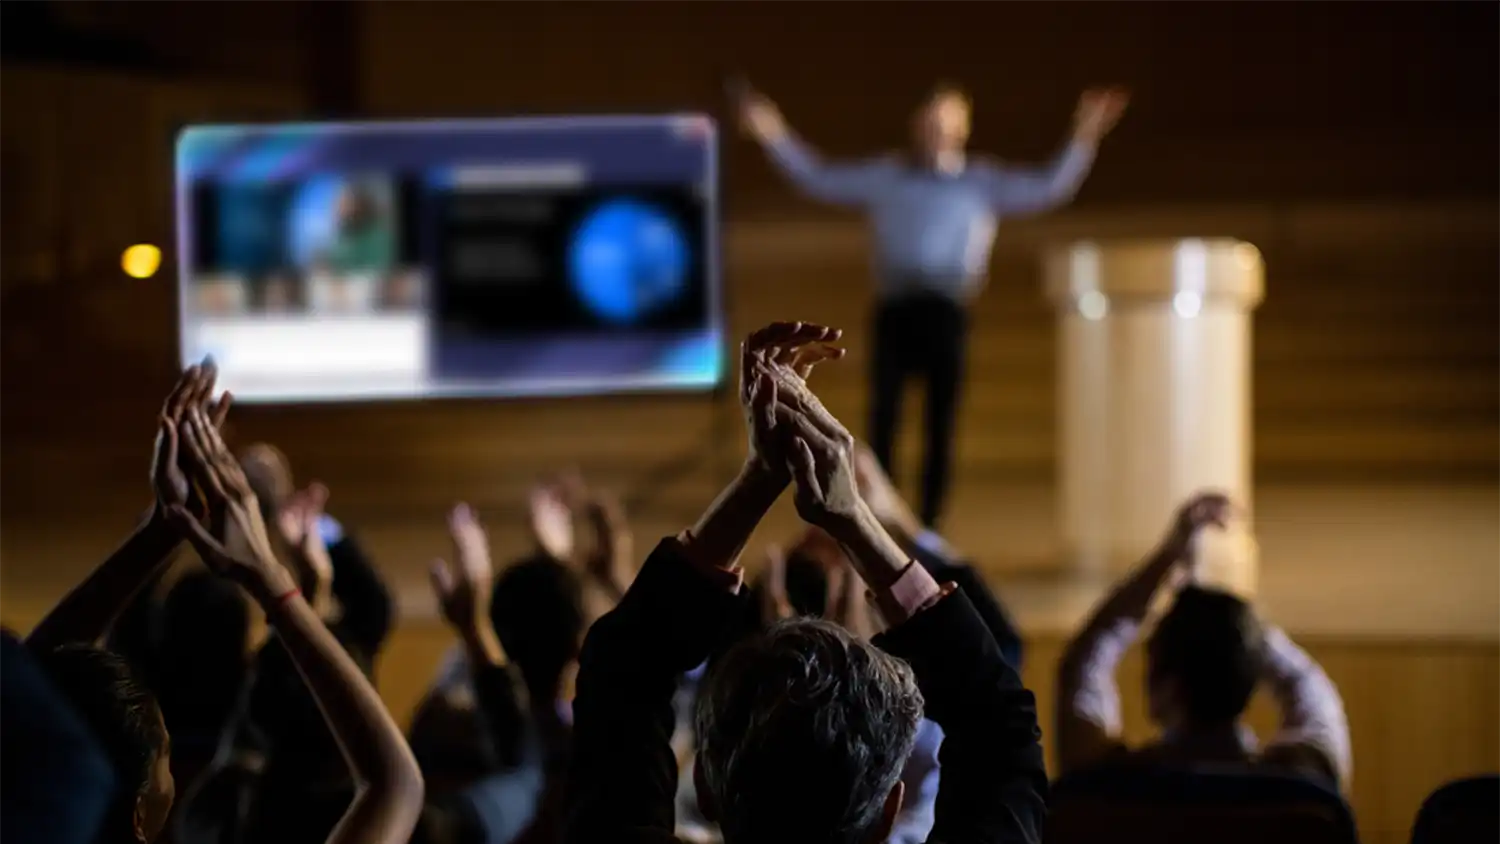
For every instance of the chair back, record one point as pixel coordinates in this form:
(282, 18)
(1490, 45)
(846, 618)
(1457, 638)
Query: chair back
(1197, 804)
(1463, 811)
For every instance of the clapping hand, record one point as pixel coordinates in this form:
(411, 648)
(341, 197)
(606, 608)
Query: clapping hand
(796, 429)
(463, 586)
(1204, 510)
(298, 519)
(298, 524)
(169, 478)
(1098, 111)
(817, 449)
(230, 507)
(791, 433)
(779, 357)
(608, 557)
(551, 521)
(792, 349)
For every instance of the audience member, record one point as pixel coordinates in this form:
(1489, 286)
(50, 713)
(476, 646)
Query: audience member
(210, 635)
(106, 692)
(388, 786)
(803, 730)
(306, 778)
(197, 484)
(334, 570)
(921, 776)
(1203, 662)
(540, 609)
(124, 718)
(865, 690)
(58, 782)
(805, 591)
(498, 802)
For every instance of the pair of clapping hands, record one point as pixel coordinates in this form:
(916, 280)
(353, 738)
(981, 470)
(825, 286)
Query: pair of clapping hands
(793, 437)
(201, 490)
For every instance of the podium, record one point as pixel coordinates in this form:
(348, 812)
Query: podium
(1153, 396)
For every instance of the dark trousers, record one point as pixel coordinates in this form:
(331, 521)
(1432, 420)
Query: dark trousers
(920, 336)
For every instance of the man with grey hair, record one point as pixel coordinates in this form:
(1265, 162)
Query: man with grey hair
(798, 715)
(803, 730)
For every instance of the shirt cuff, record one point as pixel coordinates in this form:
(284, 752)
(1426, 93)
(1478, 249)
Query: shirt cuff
(913, 591)
(730, 579)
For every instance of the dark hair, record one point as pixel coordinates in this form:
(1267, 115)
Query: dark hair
(806, 584)
(120, 712)
(1210, 642)
(806, 591)
(449, 742)
(538, 611)
(803, 732)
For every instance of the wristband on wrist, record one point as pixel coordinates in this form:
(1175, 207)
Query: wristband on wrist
(286, 597)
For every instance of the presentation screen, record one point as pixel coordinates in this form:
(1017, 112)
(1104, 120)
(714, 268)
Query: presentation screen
(522, 257)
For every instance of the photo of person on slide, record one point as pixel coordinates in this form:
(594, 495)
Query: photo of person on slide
(362, 238)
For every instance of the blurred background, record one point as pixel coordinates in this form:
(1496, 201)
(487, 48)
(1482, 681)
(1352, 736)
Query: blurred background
(1354, 144)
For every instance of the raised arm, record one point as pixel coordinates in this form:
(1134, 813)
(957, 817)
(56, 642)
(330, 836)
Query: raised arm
(388, 784)
(622, 780)
(1314, 734)
(299, 522)
(1018, 190)
(934, 553)
(463, 590)
(87, 612)
(993, 784)
(1088, 710)
(851, 183)
(609, 557)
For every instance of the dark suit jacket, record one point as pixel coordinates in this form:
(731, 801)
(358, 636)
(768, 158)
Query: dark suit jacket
(624, 776)
(991, 611)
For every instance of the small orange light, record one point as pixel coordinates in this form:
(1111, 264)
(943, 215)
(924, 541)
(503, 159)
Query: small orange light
(141, 260)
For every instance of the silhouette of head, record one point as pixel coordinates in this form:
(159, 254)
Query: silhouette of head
(1203, 660)
(539, 611)
(127, 723)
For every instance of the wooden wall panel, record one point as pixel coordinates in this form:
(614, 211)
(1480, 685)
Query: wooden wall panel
(1407, 349)
(1235, 101)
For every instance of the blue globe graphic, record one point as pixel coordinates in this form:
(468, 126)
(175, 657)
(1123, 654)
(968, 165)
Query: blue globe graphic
(627, 259)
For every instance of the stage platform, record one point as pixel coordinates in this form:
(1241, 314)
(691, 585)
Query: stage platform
(1346, 562)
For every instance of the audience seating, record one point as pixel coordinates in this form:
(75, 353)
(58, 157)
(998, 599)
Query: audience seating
(1463, 811)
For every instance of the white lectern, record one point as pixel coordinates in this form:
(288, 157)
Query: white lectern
(1153, 395)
